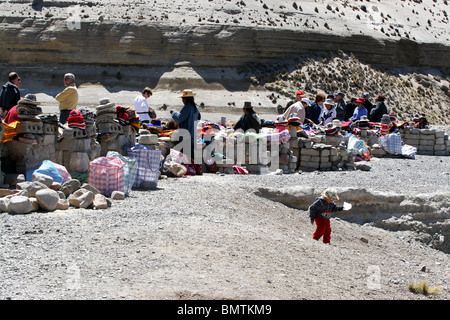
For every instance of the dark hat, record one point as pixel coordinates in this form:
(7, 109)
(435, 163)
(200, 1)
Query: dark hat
(247, 105)
(29, 99)
(340, 94)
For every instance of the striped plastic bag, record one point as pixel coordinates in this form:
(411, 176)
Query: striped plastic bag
(130, 169)
(391, 143)
(107, 174)
(149, 164)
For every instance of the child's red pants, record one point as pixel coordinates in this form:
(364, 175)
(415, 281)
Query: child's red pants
(323, 229)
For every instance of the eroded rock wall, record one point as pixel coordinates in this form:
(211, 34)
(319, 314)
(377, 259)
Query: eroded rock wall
(25, 40)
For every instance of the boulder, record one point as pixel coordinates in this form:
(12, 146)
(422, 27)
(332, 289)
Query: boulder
(45, 179)
(70, 186)
(117, 195)
(81, 198)
(100, 202)
(19, 205)
(4, 204)
(363, 166)
(89, 187)
(31, 187)
(47, 199)
(63, 204)
(35, 204)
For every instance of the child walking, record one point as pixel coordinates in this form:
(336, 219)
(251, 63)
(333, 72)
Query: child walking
(320, 212)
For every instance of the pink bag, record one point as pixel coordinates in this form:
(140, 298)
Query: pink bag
(107, 174)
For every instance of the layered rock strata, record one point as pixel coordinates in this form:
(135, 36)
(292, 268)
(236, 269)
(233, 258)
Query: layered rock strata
(25, 40)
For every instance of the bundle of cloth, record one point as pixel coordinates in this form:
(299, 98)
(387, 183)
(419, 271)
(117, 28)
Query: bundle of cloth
(76, 120)
(127, 116)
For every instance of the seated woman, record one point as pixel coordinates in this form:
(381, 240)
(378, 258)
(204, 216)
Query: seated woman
(249, 120)
(328, 114)
(360, 110)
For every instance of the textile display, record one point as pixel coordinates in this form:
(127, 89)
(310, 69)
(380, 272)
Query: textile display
(107, 174)
(391, 143)
(130, 169)
(10, 131)
(148, 162)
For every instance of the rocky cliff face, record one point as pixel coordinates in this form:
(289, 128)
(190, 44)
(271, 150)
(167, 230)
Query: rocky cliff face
(49, 41)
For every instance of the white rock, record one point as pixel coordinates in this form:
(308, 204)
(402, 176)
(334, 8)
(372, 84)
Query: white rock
(47, 199)
(19, 205)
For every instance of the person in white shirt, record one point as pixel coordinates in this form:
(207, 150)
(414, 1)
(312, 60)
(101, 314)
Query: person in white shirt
(297, 108)
(328, 113)
(142, 108)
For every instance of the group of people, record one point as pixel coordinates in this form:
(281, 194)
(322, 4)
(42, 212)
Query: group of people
(325, 109)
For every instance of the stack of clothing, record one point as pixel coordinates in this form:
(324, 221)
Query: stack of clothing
(128, 117)
(76, 120)
(155, 127)
(27, 108)
(88, 115)
(105, 112)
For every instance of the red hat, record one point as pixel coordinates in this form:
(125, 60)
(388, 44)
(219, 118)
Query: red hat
(360, 100)
(300, 93)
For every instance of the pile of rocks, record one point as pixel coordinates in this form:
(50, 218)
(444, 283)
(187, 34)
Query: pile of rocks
(42, 193)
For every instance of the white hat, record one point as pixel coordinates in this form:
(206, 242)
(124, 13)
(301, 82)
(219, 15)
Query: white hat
(187, 93)
(329, 101)
(305, 100)
(69, 76)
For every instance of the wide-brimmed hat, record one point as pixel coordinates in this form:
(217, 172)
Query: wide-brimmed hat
(306, 100)
(329, 102)
(293, 118)
(330, 194)
(331, 129)
(105, 103)
(360, 100)
(187, 93)
(29, 99)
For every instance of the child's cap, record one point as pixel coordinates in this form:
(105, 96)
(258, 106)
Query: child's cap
(330, 194)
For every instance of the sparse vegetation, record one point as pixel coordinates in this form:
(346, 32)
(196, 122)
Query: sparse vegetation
(423, 288)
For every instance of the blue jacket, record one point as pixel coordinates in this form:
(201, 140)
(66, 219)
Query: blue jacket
(313, 113)
(358, 113)
(187, 119)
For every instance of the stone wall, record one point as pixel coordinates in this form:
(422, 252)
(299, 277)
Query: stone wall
(427, 141)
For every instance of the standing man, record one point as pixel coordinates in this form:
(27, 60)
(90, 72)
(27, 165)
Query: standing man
(68, 98)
(340, 106)
(142, 108)
(10, 94)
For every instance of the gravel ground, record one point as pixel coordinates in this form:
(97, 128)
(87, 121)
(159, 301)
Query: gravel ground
(211, 237)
